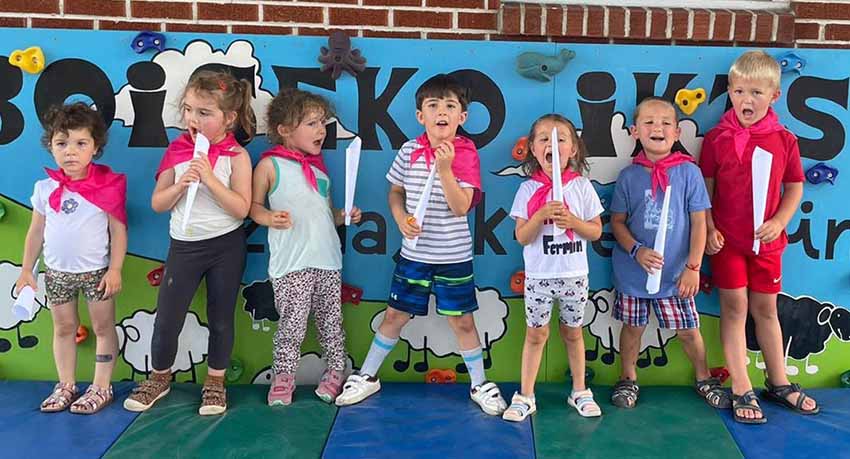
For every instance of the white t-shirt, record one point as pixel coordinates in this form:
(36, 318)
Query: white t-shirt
(207, 218)
(76, 239)
(549, 257)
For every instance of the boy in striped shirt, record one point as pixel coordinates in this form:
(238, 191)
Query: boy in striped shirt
(441, 258)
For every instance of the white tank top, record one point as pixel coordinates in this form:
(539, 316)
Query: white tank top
(312, 241)
(207, 219)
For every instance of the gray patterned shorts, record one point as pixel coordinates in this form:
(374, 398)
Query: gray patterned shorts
(64, 287)
(540, 295)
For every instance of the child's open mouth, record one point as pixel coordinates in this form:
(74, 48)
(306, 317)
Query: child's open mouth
(318, 142)
(656, 138)
(442, 123)
(747, 112)
(548, 158)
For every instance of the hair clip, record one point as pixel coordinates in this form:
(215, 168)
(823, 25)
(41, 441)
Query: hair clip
(222, 85)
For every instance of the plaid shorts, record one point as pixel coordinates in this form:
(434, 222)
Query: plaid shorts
(65, 287)
(673, 312)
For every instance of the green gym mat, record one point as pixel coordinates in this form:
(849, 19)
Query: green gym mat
(667, 422)
(249, 428)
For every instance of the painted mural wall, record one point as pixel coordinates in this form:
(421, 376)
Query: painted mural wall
(597, 89)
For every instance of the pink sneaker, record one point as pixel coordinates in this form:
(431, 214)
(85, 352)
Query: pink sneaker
(281, 390)
(330, 386)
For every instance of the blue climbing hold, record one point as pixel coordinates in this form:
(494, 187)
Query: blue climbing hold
(791, 62)
(820, 173)
(148, 40)
(541, 67)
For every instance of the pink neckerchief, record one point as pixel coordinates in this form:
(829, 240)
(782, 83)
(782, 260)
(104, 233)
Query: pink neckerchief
(544, 194)
(182, 149)
(105, 189)
(730, 126)
(465, 166)
(658, 169)
(305, 160)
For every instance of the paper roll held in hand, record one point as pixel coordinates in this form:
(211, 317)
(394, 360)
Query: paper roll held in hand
(419, 213)
(762, 161)
(653, 281)
(352, 163)
(557, 183)
(202, 146)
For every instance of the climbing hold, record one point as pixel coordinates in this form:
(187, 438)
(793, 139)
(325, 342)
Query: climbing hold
(155, 276)
(518, 282)
(2, 211)
(845, 379)
(440, 376)
(148, 40)
(339, 56)
(520, 150)
(791, 62)
(705, 283)
(234, 370)
(688, 100)
(30, 60)
(351, 294)
(82, 334)
(720, 373)
(542, 67)
(821, 172)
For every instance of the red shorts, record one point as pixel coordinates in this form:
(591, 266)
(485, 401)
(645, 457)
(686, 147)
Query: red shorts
(732, 269)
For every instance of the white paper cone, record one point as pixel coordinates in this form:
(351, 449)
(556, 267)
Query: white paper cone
(653, 281)
(557, 185)
(762, 161)
(24, 307)
(352, 163)
(419, 213)
(202, 145)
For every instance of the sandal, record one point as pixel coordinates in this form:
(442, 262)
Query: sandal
(583, 402)
(93, 400)
(625, 394)
(746, 402)
(779, 394)
(521, 408)
(711, 390)
(63, 395)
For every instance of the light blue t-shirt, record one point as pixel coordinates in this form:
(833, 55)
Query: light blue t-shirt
(633, 197)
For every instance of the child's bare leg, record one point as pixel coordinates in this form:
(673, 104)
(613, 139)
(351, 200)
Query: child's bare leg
(769, 336)
(694, 347)
(532, 352)
(629, 347)
(65, 324)
(574, 342)
(103, 322)
(394, 321)
(733, 335)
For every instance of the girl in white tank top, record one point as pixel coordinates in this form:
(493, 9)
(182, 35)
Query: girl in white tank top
(305, 259)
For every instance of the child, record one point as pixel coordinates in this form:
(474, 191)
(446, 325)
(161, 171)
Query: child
(442, 258)
(305, 263)
(213, 243)
(748, 281)
(85, 201)
(555, 266)
(636, 208)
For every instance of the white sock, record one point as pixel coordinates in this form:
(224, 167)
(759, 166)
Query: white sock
(378, 351)
(474, 360)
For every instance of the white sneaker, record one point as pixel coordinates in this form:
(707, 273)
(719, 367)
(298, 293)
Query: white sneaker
(356, 389)
(488, 397)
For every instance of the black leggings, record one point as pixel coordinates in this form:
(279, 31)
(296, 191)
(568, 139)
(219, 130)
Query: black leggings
(220, 261)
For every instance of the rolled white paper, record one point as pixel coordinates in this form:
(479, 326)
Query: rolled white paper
(653, 281)
(202, 145)
(419, 213)
(557, 185)
(762, 161)
(352, 163)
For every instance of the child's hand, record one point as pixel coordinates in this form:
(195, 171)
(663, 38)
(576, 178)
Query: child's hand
(26, 278)
(445, 153)
(649, 259)
(408, 227)
(202, 166)
(549, 211)
(714, 242)
(356, 214)
(769, 231)
(280, 220)
(110, 285)
(188, 177)
(688, 283)
(565, 219)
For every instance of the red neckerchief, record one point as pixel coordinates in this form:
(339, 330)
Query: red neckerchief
(544, 194)
(182, 149)
(105, 189)
(729, 125)
(465, 166)
(305, 160)
(658, 169)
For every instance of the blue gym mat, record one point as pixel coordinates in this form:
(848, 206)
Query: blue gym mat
(426, 421)
(788, 434)
(33, 434)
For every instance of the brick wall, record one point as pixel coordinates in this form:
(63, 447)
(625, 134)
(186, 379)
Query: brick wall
(807, 24)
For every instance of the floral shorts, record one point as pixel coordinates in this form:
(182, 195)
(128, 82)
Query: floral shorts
(64, 287)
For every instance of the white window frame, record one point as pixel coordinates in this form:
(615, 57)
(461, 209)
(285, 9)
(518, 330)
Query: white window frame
(757, 5)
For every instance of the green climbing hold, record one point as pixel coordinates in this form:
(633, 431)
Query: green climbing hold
(845, 379)
(2, 211)
(234, 371)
